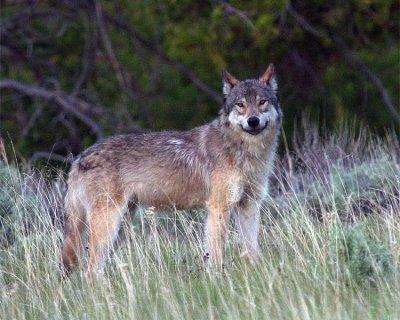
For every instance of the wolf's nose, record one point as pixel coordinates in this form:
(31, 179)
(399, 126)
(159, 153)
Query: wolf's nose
(253, 121)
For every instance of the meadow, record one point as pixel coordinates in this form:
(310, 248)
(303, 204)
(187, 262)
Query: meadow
(330, 241)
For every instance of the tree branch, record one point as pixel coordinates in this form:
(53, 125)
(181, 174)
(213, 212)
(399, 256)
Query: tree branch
(67, 102)
(231, 10)
(354, 60)
(88, 55)
(121, 76)
(351, 58)
(183, 70)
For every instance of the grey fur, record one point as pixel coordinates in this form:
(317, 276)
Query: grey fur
(223, 165)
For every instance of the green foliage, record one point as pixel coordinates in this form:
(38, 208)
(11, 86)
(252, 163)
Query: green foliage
(49, 51)
(356, 255)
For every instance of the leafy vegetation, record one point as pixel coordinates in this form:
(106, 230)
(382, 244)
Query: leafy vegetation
(357, 255)
(83, 69)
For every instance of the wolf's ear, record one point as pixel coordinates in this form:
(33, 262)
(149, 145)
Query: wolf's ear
(269, 78)
(228, 82)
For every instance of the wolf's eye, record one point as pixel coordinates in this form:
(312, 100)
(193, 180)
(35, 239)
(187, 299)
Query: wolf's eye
(262, 102)
(240, 105)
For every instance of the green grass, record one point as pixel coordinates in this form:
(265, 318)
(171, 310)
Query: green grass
(330, 243)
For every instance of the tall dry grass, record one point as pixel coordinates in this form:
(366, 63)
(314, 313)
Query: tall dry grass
(330, 241)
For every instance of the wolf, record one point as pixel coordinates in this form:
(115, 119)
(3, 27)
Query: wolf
(223, 165)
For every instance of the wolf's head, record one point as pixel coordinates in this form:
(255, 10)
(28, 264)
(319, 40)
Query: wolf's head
(252, 105)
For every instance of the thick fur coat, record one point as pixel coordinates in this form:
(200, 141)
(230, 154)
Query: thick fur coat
(223, 165)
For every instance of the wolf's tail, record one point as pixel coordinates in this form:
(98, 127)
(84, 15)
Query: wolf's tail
(73, 241)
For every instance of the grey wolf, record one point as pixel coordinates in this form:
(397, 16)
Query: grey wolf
(223, 165)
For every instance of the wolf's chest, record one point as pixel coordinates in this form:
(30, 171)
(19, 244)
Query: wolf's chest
(236, 186)
(242, 184)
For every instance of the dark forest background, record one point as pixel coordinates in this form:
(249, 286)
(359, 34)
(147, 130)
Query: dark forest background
(75, 71)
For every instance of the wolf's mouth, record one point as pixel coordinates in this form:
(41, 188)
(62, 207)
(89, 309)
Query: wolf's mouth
(254, 131)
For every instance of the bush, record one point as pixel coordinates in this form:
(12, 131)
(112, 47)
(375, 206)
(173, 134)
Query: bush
(355, 191)
(357, 255)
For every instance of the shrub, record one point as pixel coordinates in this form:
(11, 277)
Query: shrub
(356, 255)
(361, 187)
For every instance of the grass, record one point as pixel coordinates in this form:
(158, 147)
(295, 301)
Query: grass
(330, 241)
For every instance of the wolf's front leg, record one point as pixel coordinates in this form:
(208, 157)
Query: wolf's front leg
(215, 235)
(247, 220)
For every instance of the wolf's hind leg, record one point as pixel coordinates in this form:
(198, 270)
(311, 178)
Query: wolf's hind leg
(104, 223)
(247, 219)
(72, 245)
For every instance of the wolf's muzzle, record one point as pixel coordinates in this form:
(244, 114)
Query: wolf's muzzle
(255, 130)
(253, 122)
